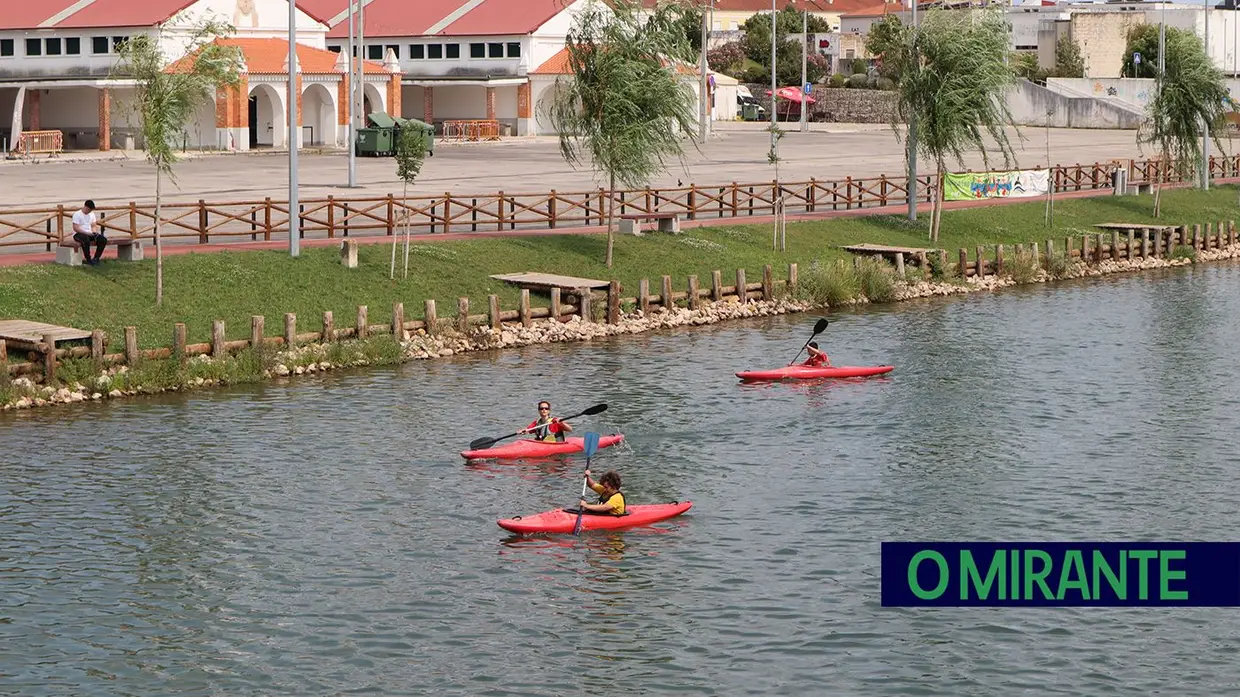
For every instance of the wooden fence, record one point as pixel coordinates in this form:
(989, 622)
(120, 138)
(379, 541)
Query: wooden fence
(580, 303)
(331, 217)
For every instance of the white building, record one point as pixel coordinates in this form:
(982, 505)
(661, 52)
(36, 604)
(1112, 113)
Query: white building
(56, 64)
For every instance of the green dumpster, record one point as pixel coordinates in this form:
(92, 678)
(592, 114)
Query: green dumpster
(380, 139)
(749, 112)
(427, 129)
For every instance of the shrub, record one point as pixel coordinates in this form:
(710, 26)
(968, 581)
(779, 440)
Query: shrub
(877, 280)
(886, 84)
(838, 80)
(858, 80)
(1022, 268)
(1057, 265)
(1182, 251)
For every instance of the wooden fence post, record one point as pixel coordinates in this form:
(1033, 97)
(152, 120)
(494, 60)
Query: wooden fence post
(430, 315)
(556, 312)
(613, 302)
(391, 215)
(131, 346)
(361, 322)
(493, 312)
(668, 303)
(290, 329)
(217, 339)
(98, 345)
(716, 286)
(178, 342)
(202, 221)
(643, 296)
(584, 299)
(694, 299)
(792, 279)
(329, 326)
(48, 349)
(398, 321)
(741, 292)
(523, 309)
(462, 316)
(256, 332)
(768, 284)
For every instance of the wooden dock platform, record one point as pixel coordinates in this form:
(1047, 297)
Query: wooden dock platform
(545, 281)
(24, 335)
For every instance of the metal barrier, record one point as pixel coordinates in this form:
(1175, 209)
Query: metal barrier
(462, 130)
(41, 142)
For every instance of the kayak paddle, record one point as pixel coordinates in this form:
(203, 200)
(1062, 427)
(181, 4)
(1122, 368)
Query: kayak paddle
(484, 443)
(591, 448)
(819, 326)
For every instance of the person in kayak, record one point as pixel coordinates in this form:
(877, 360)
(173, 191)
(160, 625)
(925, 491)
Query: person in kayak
(610, 500)
(817, 357)
(546, 428)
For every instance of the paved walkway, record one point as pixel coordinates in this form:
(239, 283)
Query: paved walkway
(169, 250)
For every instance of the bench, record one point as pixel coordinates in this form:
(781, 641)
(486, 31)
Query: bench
(69, 252)
(630, 223)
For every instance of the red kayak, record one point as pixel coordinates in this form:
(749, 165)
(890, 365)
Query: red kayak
(805, 372)
(561, 521)
(528, 448)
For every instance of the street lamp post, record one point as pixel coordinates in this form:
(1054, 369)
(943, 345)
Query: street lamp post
(804, 63)
(774, 140)
(1205, 125)
(294, 207)
(348, 103)
(912, 138)
(703, 111)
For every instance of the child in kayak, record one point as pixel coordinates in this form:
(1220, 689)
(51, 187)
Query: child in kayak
(547, 428)
(610, 500)
(817, 357)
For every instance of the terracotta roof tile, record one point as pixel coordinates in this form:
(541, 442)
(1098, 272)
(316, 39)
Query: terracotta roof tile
(267, 57)
(559, 65)
(397, 18)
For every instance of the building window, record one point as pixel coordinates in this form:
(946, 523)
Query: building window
(6, 47)
(1027, 48)
(118, 42)
(417, 51)
(394, 48)
(374, 52)
(434, 51)
(52, 47)
(98, 44)
(453, 50)
(335, 49)
(514, 49)
(73, 46)
(477, 50)
(495, 50)
(34, 47)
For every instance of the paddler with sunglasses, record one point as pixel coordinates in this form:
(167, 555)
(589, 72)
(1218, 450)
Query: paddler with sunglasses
(547, 428)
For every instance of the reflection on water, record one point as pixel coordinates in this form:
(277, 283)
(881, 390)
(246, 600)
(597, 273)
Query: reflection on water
(324, 536)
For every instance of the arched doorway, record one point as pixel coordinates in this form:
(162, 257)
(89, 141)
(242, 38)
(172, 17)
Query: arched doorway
(267, 117)
(373, 100)
(318, 116)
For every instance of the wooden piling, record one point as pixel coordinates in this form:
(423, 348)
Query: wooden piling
(668, 303)
(768, 284)
(900, 264)
(998, 259)
(694, 299)
(48, 350)
(493, 312)
(643, 296)
(361, 322)
(613, 302)
(716, 286)
(964, 263)
(398, 321)
(556, 312)
(792, 279)
(290, 330)
(584, 300)
(256, 332)
(131, 346)
(217, 339)
(178, 341)
(741, 293)
(98, 347)
(329, 326)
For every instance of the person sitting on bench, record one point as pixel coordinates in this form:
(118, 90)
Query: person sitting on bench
(84, 233)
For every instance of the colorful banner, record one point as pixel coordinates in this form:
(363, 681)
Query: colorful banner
(971, 186)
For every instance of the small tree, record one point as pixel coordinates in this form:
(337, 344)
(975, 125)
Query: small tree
(954, 72)
(788, 21)
(624, 105)
(168, 96)
(410, 155)
(1192, 92)
(1068, 59)
(884, 42)
(1142, 39)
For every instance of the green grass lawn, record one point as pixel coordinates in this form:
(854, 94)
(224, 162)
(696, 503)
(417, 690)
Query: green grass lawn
(232, 286)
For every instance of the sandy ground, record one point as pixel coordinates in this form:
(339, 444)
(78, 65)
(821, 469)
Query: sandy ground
(735, 152)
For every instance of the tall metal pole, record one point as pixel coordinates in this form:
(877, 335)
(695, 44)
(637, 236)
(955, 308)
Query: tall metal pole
(804, 63)
(348, 114)
(703, 110)
(294, 207)
(912, 139)
(774, 140)
(361, 64)
(1205, 125)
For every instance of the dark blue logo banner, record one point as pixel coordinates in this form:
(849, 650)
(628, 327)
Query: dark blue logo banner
(1048, 574)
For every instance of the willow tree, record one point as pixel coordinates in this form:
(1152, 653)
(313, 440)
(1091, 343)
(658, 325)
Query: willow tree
(954, 74)
(168, 96)
(625, 105)
(1190, 92)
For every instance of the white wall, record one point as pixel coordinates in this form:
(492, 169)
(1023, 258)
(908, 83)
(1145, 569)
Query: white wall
(542, 91)
(1135, 92)
(461, 103)
(411, 104)
(270, 113)
(84, 64)
(318, 105)
(505, 103)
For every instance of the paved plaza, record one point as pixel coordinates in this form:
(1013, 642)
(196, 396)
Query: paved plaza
(735, 152)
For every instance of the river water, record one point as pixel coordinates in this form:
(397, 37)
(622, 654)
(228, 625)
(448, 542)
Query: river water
(323, 537)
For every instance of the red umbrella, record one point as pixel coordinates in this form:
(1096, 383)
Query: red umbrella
(793, 94)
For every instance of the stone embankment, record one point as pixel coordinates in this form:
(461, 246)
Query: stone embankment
(420, 346)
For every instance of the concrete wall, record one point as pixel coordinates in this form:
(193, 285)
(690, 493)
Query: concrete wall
(1029, 104)
(1132, 92)
(1102, 37)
